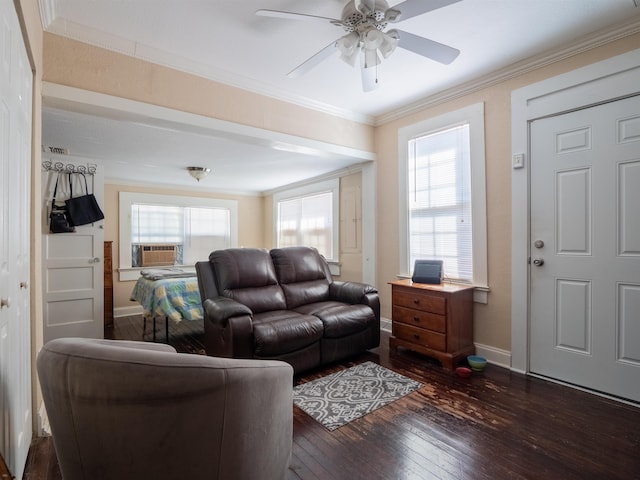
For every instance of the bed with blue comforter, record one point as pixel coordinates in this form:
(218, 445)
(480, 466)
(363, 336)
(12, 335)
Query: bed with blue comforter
(172, 294)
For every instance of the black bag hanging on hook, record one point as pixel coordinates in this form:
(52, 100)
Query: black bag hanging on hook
(59, 221)
(83, 209)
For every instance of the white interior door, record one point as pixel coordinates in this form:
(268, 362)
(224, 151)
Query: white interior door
(73, 266)
(15, 162)
(585, 248)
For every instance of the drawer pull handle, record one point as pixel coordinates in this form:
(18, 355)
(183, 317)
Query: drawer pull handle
(416, 319)
(416, 301)
(416, 336)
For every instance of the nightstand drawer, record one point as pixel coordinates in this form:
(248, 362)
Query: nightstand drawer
(427, 303)
(420, 336)
(416, 318)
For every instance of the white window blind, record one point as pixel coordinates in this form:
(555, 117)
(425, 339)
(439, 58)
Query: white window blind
(307, 220)
(196, 231)
(440, 210)
(156, 224)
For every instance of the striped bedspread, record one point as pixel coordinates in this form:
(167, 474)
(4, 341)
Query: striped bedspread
(176, 298)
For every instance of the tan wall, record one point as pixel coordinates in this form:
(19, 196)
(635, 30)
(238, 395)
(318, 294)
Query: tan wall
(492, 321)
(75, 64)
(251, 224)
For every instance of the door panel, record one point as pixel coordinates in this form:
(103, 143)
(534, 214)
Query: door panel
(628, 324)
(73, 275)
(585, 272)
(15, 165)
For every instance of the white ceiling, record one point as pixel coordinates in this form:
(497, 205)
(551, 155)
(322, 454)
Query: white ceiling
(227, 42)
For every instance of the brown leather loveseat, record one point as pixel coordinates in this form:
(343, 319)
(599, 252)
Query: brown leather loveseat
(283, 304)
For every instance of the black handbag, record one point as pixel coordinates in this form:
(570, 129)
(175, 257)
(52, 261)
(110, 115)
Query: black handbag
(83, 209)
(59, 221)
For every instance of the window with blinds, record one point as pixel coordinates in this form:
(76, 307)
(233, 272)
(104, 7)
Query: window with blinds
(195, 231)
(439, 201)
(307, 220)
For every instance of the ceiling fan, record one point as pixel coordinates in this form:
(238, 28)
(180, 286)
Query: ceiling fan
(365, 22)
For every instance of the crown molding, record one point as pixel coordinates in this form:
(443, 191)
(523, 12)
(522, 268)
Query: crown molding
(47, 12)
(590, 42)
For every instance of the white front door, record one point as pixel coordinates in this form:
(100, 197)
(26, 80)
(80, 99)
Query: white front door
(73, 266)
(585, 248)
(15, 167)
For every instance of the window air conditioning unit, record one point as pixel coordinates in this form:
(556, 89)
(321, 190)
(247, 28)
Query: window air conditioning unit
(156, 255)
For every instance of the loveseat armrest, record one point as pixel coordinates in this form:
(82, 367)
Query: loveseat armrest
(351, 292)
(356, 292)
(220, 309)
(228, 328)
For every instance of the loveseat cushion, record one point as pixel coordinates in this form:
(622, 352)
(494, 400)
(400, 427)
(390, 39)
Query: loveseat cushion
(340, 319)
(283, 331)
(248, 276)
(303, 275)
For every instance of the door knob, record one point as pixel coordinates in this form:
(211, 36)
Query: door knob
(24, 285)
(538, 244)
(5, 302)
(538, 262)
(95, 260)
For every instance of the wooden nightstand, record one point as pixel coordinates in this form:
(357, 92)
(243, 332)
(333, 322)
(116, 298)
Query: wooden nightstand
(435, 320)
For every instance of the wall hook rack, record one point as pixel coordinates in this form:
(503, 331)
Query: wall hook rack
(60, 167)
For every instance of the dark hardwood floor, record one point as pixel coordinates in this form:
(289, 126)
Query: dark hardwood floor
(494, 425)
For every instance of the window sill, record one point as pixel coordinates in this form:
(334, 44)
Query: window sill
(334, 267)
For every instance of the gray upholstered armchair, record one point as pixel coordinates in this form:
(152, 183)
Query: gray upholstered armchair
(135, 410)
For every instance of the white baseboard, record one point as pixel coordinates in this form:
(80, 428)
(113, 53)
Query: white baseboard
(44, 430)
(385, 324)
(495, 356)
(127, 311)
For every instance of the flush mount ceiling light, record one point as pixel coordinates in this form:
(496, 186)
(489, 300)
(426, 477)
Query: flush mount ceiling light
(365, 22)
(198, 172)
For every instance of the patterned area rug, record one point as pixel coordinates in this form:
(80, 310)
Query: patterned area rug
(341, 397)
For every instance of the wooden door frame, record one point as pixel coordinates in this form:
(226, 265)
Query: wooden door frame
(601, 82)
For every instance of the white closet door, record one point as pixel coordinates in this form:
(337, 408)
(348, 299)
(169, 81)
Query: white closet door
(15, 161)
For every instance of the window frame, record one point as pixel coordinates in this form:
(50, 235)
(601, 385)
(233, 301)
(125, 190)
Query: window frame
(127, 199)
(474, 116)
(332, 185)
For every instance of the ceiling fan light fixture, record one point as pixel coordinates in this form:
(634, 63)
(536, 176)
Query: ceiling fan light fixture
(349, 43)
(371, 58)
(198, 172)
(390, 41)
(373, 38)
(350, 58)
(349, 48)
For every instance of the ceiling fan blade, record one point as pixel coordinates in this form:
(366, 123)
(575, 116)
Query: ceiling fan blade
(427, 48)
(311, 62)
(369, 78)
(413, 8)
(296, 16)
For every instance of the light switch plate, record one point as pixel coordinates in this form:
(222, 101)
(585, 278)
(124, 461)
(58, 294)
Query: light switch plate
(518, 160)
